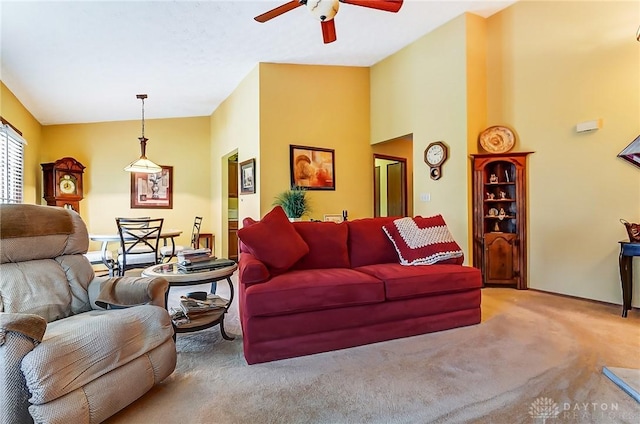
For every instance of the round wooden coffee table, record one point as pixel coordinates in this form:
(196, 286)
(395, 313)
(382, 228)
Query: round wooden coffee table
(176, 278)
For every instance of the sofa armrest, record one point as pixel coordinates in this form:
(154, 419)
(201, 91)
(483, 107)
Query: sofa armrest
(127, 291)
(251, 270)
(30, 325)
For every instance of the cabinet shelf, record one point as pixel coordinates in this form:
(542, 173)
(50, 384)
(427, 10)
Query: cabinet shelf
(499, 247)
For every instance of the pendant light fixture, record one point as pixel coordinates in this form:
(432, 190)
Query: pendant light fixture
(143, 164)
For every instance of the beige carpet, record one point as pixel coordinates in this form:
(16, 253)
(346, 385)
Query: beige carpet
(535, 357)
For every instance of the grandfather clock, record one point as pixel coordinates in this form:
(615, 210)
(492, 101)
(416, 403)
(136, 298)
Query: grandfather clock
(62, 183)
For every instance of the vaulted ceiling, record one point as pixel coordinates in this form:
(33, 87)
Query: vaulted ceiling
(85, 61)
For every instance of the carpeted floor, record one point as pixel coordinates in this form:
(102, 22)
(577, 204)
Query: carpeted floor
(535, 357)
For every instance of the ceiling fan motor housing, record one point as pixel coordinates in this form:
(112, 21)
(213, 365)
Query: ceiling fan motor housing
(324, 10)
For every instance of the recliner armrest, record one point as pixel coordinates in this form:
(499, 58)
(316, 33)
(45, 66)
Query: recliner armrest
(127, 291)
(30, 325)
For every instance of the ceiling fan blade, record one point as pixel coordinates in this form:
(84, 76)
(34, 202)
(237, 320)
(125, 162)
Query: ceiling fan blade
(328, 31)
(273, 13)
(386, 5)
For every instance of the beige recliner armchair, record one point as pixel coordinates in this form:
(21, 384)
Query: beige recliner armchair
(67, 353)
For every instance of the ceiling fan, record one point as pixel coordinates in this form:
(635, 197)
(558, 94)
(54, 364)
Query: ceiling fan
(326, 10)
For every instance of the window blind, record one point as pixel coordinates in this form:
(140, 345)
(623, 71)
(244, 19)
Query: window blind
(11, 165)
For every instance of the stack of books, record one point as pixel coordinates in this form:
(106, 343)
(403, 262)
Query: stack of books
(204, 265)
(189, 256)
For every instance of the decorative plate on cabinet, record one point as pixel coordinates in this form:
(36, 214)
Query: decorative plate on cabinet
(497, 139)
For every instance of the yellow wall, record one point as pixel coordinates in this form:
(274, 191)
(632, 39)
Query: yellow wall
(106, 148)
(13, 111)
(553, 65)
(548, 67)
(235, 127)
(319, 106)
(422, 89)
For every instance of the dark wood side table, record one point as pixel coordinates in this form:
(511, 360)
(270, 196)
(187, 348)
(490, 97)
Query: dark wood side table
(627, 251)
(206, 240)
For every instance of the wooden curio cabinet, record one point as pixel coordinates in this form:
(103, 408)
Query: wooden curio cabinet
(500, 218)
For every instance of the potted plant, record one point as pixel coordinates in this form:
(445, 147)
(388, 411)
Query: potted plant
(294, 202)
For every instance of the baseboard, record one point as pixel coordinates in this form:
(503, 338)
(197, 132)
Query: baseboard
(600, 302)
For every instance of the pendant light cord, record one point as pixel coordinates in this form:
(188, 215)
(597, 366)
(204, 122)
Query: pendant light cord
(142, 97)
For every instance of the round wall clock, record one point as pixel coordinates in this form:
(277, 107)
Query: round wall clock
(497, 139)
(435, 155)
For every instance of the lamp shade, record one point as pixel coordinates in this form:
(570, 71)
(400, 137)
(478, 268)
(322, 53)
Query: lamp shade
(143, 165)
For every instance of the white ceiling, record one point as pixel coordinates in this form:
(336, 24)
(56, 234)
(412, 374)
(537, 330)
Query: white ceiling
(85, 61)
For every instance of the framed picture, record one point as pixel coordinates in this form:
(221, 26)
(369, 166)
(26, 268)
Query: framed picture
(312, 168)
(248, 176)
(152, 191)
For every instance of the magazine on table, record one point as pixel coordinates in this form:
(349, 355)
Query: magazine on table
(192, 307)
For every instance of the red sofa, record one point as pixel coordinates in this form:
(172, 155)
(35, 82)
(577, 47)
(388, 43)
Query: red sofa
(348, 290)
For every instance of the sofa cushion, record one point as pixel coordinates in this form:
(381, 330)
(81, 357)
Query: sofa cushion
(368, 244)
(327, 243)
(310, 290)
(81, 348)
(274, 241)
(410, 281)
(422, 241)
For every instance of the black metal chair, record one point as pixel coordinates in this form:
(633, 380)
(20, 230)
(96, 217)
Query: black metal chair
(139, 242)
(168, 252)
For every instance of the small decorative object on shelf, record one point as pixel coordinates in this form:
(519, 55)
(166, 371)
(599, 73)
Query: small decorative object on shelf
(493, 179)
(493, 212)
(491, 196)
(503, 195)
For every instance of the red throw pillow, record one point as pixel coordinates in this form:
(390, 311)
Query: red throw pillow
(274, 241)
(422, 241)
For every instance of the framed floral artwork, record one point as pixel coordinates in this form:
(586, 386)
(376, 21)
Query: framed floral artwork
(312, 168)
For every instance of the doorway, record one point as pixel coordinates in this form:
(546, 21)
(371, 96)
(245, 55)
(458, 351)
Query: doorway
(398, 154)
(390, 186)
